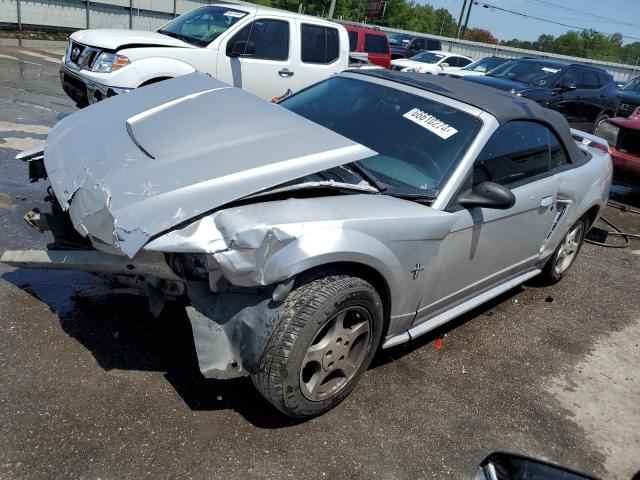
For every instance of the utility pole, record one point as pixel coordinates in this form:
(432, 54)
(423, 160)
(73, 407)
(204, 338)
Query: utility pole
(464, 6)
(332, 7)
(466, 22)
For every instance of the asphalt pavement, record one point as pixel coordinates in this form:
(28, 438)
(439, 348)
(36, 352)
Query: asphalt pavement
(92, 386)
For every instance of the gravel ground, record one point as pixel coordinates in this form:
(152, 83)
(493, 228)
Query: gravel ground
(94, 387)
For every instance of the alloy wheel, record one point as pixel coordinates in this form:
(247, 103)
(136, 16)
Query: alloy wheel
(336, 353)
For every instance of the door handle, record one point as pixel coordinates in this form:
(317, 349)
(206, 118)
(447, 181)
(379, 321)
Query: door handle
(285, 72)
(546, 202)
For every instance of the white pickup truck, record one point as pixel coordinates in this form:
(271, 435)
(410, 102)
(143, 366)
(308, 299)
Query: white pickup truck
(262, 50)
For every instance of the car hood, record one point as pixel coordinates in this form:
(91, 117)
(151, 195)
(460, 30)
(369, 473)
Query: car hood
(458, 72)
(632, 98)
(117, 39)
(407, 63)
(138, 164)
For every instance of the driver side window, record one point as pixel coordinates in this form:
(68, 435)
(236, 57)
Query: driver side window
(269, 37)
(517, 151)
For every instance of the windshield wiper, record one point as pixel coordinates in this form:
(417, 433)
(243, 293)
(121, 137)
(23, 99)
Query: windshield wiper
(369, 177)
(413, 196)
(184, 38)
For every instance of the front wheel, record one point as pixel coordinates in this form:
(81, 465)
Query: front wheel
(564, 256)
(327, 338)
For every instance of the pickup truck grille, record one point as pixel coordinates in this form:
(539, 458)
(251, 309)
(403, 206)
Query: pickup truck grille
(80, 56)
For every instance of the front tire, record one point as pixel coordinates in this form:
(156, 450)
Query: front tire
(564, 256)
(325, 342)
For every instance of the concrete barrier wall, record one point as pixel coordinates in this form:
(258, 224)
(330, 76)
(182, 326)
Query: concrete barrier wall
(152, 14)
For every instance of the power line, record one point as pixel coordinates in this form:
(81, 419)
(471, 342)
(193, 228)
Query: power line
(584, 13)
(486, 5)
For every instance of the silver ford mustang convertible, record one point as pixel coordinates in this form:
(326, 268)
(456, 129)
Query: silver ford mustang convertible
(357, 214)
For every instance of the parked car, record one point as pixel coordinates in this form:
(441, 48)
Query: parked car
(479, 67)
(401, 48)
(372, 42)
(262, 50)
(623, 135)
(301, 236)
(629, 98)
(584, 94)
(430, 62)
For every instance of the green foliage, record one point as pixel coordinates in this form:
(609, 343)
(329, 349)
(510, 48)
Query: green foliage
(410, 15)
(585, 44)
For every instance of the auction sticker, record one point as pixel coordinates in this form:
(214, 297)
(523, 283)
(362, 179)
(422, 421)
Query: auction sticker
(231, 13)
(431, 123)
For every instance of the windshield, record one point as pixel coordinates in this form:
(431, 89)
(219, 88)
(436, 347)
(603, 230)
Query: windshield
(485, 64)
(399, 39)
(539, 74)
(427, 57)
(419, 141)
(632, 86)
(203, 25)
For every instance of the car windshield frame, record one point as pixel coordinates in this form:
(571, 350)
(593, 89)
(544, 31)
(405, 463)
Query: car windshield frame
(550, 76)
(437, 56)
(632, 85)
(175, 28)
(482, 61)
(414, 160)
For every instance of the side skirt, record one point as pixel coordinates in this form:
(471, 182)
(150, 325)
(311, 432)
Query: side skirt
(444, 317)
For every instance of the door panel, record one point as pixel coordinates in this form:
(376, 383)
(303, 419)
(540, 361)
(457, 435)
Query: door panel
(268, 72)
(487, 246)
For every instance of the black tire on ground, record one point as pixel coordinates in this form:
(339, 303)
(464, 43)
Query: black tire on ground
(601, 118)
(309, 329)
(554, 270)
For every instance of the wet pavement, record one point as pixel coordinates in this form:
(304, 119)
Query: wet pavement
(92, 386)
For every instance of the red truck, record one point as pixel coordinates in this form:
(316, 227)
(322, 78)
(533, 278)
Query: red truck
(370, 41)
(623, 135)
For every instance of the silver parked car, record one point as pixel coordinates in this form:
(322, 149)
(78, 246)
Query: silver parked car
(358, 214)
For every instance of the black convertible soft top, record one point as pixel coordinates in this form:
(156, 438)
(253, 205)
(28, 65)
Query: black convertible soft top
(504, 106)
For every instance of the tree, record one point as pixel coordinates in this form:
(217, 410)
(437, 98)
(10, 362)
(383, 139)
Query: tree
(480, 35)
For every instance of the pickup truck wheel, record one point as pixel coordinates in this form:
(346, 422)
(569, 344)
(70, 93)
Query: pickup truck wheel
(327, 338)
(564, 256)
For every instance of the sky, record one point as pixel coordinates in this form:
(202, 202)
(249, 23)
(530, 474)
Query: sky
(506, 26)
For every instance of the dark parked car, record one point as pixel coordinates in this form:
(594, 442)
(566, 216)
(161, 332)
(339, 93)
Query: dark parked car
(629, 98)
(405, 46)
(584, 94)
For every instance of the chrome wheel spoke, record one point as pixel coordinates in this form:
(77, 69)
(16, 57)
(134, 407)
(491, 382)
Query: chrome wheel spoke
(315, 353)
(336, 354)
(348, 368)
(359, 329)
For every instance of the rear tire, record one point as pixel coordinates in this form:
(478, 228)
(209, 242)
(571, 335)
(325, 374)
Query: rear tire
(603, 117)
(564, 256)
(325, 342)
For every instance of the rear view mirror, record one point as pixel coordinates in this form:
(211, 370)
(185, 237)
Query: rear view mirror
(242, 48)
(444, 65)
(488, 195)
(509, 466)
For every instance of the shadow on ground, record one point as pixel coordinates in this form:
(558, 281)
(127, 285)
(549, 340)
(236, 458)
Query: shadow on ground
(121, 334)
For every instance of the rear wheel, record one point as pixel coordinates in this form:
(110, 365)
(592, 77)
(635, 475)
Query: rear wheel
(603, 117)
(329, 334)
(564, 256)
